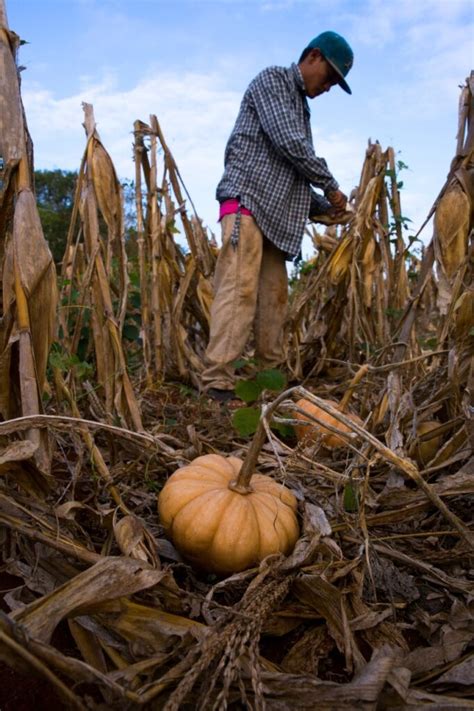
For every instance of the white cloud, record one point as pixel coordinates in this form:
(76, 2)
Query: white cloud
(344, 153)
(196, 113)
(407, 22)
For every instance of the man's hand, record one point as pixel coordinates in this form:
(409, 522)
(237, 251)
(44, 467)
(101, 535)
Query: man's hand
(338, 200)
(333, 216)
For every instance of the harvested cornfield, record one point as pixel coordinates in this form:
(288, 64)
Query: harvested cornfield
(369, 424)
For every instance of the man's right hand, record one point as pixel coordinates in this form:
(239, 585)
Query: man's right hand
(337, 200)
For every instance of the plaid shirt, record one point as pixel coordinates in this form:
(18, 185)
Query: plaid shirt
(270, 163)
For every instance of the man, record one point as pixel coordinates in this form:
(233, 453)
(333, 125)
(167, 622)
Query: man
(266, 197)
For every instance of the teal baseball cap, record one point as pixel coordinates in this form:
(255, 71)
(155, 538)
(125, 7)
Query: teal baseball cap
(335, 50)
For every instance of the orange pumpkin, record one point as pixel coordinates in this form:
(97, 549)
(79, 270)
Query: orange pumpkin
(221, 527)
(314, 432)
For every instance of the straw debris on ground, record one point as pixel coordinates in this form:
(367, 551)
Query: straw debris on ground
(373, 609)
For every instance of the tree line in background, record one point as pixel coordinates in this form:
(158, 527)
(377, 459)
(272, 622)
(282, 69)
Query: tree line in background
(55, 190)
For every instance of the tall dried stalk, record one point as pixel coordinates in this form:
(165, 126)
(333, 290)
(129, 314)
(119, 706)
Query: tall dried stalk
(175, 291)
(28, 274)
(454, 213)
(453, 222)
(98, 201)
(350, 299)
(140, 160)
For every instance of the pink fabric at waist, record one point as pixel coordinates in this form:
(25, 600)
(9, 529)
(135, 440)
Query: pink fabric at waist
(230, 207)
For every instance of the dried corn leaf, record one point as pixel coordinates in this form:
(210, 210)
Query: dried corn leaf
(30, 252)
(108, 579)
(106, 187)
(16, 452)
(135, 541)
(88, 645)
(151, 627)
(327, 600)
(463, 312)
(285, 691)
(459, 674)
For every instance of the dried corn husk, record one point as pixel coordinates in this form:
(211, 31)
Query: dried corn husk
(452, 224)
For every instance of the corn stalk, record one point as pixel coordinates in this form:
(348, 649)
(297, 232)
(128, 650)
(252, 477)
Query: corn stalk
(91, 272)
(346, 306)
(453, 211)
(174, 286)
(28, 272)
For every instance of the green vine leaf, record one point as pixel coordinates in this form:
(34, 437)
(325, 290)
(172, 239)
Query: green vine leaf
(248, 390)
(283, 429)
(271, 379)
(245, 420)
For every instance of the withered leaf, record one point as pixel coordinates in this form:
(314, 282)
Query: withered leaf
(108, 579)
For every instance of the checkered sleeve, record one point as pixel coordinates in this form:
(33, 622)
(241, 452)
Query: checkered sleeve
(277, 115)
(319, 205)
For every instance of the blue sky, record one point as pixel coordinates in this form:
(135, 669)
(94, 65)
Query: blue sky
(189, 61)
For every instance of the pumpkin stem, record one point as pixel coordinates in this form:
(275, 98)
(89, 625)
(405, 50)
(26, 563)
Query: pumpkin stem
(235, 486)
(242, 483)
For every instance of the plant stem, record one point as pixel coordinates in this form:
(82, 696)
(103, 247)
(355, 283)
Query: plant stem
(363, 370)
(242, 483)
(3, 15)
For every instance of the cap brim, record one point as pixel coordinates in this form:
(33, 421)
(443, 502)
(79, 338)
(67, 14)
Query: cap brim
(342, 82)
(344, 85)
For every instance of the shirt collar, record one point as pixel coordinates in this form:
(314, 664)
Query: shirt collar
(298, 78)
(299, 82)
